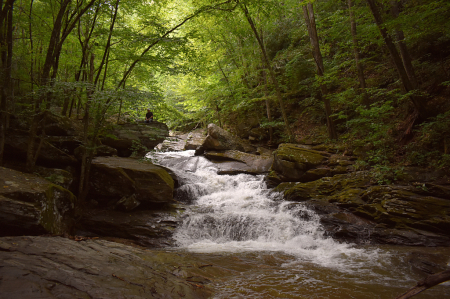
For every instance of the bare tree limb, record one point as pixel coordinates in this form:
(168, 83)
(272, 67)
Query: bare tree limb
(427, 283)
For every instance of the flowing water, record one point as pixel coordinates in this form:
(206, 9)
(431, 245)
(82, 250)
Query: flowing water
(277, 249)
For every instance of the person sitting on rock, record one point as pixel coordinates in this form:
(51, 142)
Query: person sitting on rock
(149, 116)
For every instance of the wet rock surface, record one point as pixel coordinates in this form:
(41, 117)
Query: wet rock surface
(54, 267)
(32, 205)
(243, 162)
(355, 210)
(149, 228)
(114, 177)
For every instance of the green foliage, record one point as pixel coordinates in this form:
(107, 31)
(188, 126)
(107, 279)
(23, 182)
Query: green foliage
(432, 145)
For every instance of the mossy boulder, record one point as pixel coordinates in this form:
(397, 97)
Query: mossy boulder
(402, 207)
(32, 205)
(114, 177)
(403, 215)
(337, 188)
(292, 161)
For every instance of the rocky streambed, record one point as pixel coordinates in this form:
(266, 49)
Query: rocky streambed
(135, 203)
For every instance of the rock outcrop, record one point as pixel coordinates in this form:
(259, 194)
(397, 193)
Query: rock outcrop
(138, 138)
(243, 162)
(218, 140)
(149, 228)
(354, 209)
(194, 140)
(113, 178)
(32, 205)
(54, 267)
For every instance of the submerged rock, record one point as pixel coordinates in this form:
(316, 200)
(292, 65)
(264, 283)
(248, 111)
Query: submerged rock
(113, 178)
(32, 205)
(54, 267)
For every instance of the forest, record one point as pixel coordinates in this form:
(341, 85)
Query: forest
(366, 76)
(308, 152)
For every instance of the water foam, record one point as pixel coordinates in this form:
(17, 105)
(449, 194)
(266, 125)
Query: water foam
(238, 213)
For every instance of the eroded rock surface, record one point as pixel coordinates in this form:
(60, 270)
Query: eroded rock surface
(54, 267)
(32, 205)
(113, 178)
(149, 228)
(353, 209)
(244, 162)
(134, 137)
(219, 139)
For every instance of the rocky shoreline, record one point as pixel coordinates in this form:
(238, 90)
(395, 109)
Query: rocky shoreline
(133, 200)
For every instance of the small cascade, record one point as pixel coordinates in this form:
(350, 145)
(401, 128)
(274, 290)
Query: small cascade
(238, 213)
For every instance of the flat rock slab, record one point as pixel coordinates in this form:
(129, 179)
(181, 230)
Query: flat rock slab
(249, 163)
(55, 267)
(115, 177)
(32, 205)
(146, 228)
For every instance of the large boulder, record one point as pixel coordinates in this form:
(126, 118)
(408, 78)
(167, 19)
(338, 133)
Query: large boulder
(55, 267)
(149, 228)
(219, 139)
(292, 162)
(138, 137)
(245, 163)
(32, 205)
(16, 145)
(401, 215)
(195, 139)
(113, 178)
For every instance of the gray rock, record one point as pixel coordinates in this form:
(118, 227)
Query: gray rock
(194, 140)
(219, 139)
(139, 138)
(113, 178)
(253, 164)
(149, 228)
(54, 267)
(16, 145)
(32, 205)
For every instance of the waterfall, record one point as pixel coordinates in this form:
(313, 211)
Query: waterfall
(237, 213)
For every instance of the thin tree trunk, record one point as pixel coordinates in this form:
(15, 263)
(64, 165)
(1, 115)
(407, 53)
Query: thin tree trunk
(406, 58)
(271, 72)
(407, 85)
(6, 45)
(269, 114)
(308, 12)
(359, 64)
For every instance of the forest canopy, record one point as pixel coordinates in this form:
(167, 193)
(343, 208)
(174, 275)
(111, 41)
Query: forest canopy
(370, 75)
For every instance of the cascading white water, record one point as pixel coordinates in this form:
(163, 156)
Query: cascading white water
(238, 213)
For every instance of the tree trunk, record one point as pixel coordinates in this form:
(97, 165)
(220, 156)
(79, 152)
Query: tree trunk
(269, 114)
(6, 46)
(308, 12)
(271, 72)
(407, 85)
(406, 58)
(359, 65)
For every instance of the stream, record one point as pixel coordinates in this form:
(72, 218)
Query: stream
(273, 248)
